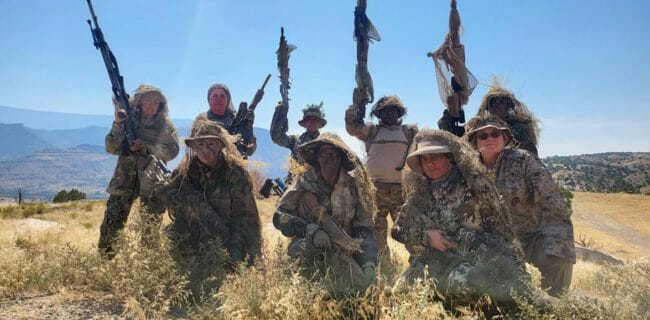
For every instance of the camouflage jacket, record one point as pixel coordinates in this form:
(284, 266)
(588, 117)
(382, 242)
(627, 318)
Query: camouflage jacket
(521, 132)
(247, 143)
(341, 203)
(451, 206)
(159, 138)
(215, 204)
(535, 201)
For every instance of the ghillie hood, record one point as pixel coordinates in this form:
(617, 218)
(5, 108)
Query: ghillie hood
(204, 128)
(350, 163)
(519, 111)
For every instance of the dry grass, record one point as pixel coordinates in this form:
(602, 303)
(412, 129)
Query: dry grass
(618, 222)
(53, 254)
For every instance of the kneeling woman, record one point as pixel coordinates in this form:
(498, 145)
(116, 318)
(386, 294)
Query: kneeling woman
(454, 225)
(328, 214)
(211, 196)
(540, 215)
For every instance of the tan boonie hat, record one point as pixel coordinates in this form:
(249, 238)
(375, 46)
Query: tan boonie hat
(425, 147)
(481, 122)
(313, 110)
(308, 150)
(206, 129)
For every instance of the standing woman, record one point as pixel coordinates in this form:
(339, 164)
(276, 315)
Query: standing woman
(222, 112)
(155, 140)
(541, 218)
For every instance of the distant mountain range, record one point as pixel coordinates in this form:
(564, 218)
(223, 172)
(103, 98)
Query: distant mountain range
(55, 155)
(43, 153)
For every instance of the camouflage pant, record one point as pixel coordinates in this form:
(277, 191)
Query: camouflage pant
(465, 276)
(340, 271)
(556, 272)
(116, 215)
(389, 201)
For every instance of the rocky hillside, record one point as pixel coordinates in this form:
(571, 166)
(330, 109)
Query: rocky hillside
(603, 172)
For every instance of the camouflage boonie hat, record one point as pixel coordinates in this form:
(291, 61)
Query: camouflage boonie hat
(313, 110)
(485, 121)
(144, 90)
(205, 129)
(386, 102)
(308, 150)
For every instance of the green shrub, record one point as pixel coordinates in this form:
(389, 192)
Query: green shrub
(72, 195)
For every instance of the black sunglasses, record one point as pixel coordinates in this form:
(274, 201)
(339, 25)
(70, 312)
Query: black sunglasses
(493, 134)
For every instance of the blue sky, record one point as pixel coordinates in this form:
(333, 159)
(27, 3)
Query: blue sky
(581, 66)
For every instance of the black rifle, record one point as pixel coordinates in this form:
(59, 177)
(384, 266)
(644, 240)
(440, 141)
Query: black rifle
(242, 121)
(117, 81)
(241, 118)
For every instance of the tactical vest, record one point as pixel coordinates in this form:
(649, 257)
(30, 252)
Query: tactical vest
(387, 149)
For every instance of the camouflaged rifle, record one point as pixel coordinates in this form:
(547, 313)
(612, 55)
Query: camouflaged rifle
(455, 81)
(121, 98)
(364, 33)
(283, 54)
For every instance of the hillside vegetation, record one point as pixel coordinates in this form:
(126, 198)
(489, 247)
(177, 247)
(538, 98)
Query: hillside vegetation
(51, 270)
(602, 172)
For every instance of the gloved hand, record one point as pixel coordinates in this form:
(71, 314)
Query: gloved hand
(321, 240)
(369, 273)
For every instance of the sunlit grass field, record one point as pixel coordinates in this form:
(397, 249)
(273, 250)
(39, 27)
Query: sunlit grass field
(49, 251)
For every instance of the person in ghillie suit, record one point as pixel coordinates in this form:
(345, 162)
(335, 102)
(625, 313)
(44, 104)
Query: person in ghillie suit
(327, 213)
(386, 144)
(541, 217)
(523, 124)
(222, 112)
(454, 224)
(502, 103)
(210, 197)
(313, 120)
(156, 141)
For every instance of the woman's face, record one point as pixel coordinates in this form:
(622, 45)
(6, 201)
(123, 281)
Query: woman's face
(218, 101)
(208, 151)
(435, 166)
(149, 106)
(490, 142)
(329, 158)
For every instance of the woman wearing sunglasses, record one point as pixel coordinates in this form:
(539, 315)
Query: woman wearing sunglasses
(541, 218)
